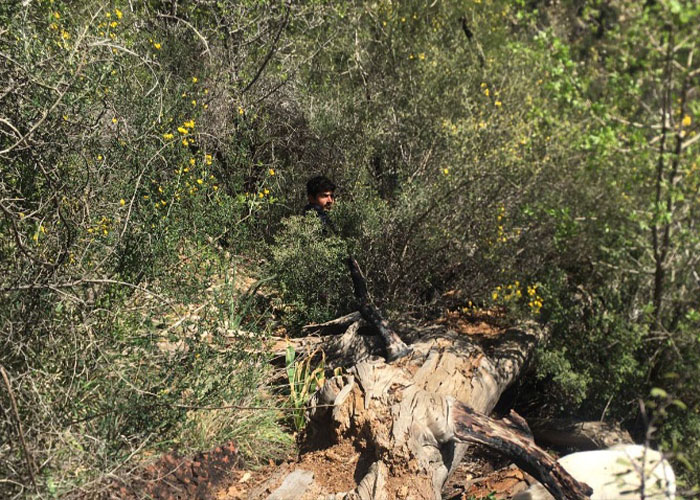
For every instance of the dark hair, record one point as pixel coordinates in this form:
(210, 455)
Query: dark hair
(319, 184)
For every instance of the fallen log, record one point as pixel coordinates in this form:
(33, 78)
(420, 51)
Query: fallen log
(563, 434)
(520, 448)
(411, 421)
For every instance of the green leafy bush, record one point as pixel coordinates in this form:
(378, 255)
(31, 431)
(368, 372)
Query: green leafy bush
(311, 271)
(476, 145)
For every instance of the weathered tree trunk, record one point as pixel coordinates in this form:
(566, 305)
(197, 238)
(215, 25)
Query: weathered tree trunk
(410, 421)
(566, 434)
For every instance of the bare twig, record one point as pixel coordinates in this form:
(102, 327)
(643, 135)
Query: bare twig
(27, 455)
(272, 50)
(199, 35)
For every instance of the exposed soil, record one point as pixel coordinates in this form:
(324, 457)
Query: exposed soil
(339, 467)
(469, 482)
(173, 477)
(482, 323)
(218, 475)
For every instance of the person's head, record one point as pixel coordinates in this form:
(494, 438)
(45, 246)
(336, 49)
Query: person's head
(321, 191)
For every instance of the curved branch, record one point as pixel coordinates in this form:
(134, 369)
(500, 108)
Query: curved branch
(512, 441)
(270, 52)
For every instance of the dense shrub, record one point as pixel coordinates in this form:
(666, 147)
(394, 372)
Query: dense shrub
(310, 270)
(540, 158)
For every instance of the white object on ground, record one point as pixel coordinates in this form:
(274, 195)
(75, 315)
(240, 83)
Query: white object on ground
(616, 474)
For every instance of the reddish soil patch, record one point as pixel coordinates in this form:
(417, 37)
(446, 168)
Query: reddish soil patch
(482, 474)
(175, 478)
(241, 484)
(503, 483)
(483, 322)
(335, 468)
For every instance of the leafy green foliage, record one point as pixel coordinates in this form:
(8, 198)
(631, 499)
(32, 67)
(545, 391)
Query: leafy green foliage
(303, 381)
(478, 146)
(310, 271)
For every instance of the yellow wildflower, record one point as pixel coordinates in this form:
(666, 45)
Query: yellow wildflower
(156, 46)
(240, 110)
(498, 103)
(421, 56)
(189, 124)
(200, 181)
(182, 130)
(687, 121)
(194, 103)
(114, 120)
(122, 202)
(192, 161)
(167, 136)
(185, 142)
(113, 24)
(266, 191)
(445, 171)
(118, 13)
(194, 79)
(208, 159)
(486, 92)
(57, 15)
(99, 157)
(271, 171)
(108, 15)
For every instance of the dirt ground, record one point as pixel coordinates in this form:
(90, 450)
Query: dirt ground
(220, 474)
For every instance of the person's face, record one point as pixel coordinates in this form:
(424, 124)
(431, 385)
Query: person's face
(324, 199)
